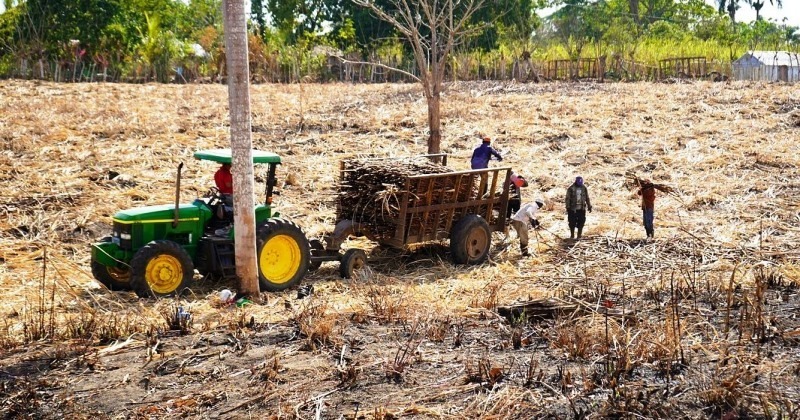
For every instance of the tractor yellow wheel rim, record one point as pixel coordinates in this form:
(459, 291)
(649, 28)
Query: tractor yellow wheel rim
(280, 259)
(164, 274)
(119, 274)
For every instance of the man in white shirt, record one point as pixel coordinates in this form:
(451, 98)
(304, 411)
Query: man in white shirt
(520, 221)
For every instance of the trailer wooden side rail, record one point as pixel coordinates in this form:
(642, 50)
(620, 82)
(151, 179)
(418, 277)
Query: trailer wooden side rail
(463, 206)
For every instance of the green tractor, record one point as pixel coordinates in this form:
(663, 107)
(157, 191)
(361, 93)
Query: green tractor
(155, 250)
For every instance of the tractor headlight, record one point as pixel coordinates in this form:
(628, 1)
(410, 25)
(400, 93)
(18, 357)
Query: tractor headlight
(123, 233)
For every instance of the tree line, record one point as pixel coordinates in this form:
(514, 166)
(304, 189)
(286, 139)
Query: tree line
(291, 40)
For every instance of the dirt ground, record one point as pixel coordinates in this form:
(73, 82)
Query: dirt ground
(701, 322)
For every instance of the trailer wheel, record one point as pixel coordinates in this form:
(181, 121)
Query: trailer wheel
(470, 240)
(283, 255)
(161, 268)
(316, 248)
(353, 260)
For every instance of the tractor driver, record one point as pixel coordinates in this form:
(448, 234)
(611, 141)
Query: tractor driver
(224, 180)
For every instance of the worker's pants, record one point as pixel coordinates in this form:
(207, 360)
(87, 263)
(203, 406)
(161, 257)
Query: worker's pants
(514, 203)
(522, 232)
(647, 218)
(483, 185)
(576, 218)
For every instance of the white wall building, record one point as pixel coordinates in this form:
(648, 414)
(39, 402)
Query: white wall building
(769, 66)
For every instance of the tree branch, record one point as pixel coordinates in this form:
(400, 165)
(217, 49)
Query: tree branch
(384, 66)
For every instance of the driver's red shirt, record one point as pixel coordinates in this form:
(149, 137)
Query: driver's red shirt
(224, 180)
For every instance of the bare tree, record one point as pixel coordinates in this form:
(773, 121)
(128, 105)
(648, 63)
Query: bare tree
(433, 28)
(241, 146)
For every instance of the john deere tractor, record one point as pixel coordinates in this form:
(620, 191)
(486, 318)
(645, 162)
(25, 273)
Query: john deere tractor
(155, 250)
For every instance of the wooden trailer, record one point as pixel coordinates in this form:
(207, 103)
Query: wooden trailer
(464, 207)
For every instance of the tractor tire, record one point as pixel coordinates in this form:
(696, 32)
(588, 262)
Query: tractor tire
(283, 255)
(316, 247)
(161, 268)
(113, 278)
(353, 260)
(470, 240)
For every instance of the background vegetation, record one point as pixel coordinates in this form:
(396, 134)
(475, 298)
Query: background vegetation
(177, 41)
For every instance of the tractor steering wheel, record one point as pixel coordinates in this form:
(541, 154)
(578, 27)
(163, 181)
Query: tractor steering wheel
(214, 198)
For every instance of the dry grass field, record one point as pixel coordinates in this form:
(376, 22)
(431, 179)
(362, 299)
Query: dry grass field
(702, 322)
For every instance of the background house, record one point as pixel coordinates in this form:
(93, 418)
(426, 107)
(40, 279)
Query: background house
(771, 66)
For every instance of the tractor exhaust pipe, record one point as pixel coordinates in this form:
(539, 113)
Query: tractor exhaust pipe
(177, 196)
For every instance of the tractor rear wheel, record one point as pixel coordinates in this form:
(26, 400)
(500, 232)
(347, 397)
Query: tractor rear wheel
(161, 268)
(283, 255)
(470, 240)
(115, 279)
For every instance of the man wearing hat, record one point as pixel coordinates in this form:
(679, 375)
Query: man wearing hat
(520, 221)
(577, 202)
(483, 153)
(517, 182)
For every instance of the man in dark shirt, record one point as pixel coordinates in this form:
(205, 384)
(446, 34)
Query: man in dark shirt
(480, 160)
(483, 153)
(577, 202)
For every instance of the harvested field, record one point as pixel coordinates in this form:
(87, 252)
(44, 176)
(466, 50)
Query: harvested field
(701, 322)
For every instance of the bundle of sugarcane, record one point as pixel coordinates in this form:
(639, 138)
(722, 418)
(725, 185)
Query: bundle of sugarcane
(371, 189)
(632, 181)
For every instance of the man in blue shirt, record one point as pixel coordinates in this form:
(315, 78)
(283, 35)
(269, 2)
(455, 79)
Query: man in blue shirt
(483, 153)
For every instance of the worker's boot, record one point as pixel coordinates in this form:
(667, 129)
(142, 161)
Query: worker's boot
(572, 233)
(524, 251)
(580, 232)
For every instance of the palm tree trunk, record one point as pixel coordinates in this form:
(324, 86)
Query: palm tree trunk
(241, 146)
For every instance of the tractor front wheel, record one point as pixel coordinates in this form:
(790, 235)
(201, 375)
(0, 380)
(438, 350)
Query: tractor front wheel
(115, 279)
(161, 268)
(470, 240)
(283, 255)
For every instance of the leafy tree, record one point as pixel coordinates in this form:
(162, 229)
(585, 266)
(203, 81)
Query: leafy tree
(730, 7)
(52, 24)
(259, 18)
(757, 5)
(579, 23)
(368, 31)
(158, 48)
(761, 34)
(194, 17)
(515, 18)
(299, 18)
(10, 4)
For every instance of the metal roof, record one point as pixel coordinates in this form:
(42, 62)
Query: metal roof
(772, 58)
